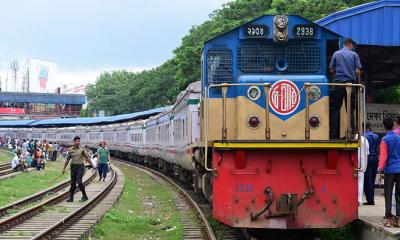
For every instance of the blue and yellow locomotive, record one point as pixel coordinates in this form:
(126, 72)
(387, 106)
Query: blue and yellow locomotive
(265, 127)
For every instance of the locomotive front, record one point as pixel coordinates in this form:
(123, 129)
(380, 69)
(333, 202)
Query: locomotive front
(265, 127)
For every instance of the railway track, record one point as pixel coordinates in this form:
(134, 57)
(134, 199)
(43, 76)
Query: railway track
(195, 225)
(52, 216)
(6, 169)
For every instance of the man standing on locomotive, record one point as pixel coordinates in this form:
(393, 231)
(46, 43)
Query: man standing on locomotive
(346, 68)
(77, 156)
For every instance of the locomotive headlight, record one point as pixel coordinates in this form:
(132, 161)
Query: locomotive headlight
(281, 22)
(315, 93)
(253, 122)
(253, 93)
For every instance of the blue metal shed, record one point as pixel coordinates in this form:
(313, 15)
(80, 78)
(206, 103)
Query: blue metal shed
(60, 122)
(375, 26)
(49, 98)
(16, 123)
(375, 23)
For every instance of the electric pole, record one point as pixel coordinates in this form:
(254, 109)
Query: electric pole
(14, 69)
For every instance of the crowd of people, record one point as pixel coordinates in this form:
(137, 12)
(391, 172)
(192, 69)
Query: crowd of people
(32, 153)
(382, 157)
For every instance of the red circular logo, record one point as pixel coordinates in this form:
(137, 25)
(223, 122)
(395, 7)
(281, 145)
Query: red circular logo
(284, 97)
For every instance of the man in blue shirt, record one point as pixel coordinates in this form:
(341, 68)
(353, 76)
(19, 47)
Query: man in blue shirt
(372, 167)
(346, 68)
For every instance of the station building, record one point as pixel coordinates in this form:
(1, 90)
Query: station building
(28, 105)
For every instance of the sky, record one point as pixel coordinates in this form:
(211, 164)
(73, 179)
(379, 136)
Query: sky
(87, 37)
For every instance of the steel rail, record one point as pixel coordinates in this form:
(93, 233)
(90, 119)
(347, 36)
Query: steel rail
(5, 166)
(19, 217)
(206, 227)
(33, 198)
(54, 230)
(7, 171)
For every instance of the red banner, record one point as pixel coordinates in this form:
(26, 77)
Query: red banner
(12, 111)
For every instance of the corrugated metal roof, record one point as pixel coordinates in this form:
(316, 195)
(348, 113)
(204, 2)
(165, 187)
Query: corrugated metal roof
(60, 122)
(50, 98)
(16, 123)
(375, 23)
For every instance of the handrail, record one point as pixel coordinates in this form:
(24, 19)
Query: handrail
(267, 87)
(307, 110)
(361, 104)
(348, 112)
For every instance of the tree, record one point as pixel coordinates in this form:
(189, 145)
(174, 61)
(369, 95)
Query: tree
(130, 92)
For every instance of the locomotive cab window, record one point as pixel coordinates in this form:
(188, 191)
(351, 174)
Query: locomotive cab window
(219, 65)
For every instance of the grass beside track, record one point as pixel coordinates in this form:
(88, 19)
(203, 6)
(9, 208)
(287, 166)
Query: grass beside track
(144, 211)
(5, 157)
(26, 184)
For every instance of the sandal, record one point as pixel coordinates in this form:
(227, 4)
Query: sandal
(395, 222)
(387, 225)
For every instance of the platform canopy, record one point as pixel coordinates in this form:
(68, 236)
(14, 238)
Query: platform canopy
(375, 27)
(46, 98)
(64, 122)
(375, 23)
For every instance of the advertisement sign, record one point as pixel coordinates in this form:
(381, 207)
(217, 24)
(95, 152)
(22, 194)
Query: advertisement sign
(42, 76)
(375, 113)
(12, 111)
(80, 89)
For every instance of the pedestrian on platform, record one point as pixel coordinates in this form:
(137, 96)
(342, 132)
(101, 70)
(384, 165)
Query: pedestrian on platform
(363, 152)
(389, 163)
(77, 155)
(397, 126)
(372, 167)
(103, 156)
(346, 68)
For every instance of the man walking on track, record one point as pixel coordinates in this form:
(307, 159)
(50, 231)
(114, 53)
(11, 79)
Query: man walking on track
(103, 156)
(77, 156)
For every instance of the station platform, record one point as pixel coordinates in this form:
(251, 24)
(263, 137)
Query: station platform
(371, 219)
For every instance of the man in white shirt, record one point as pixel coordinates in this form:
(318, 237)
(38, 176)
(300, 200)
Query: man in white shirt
(16, 164)
(363, 153)
(25, 146)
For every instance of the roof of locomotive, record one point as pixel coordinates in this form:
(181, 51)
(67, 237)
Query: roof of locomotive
(256, 20)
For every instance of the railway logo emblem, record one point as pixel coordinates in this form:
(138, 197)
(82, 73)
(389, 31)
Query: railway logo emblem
(284, 97)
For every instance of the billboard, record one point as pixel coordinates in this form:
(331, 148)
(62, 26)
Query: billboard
(78, 89)
(8, 110)
(42, 76)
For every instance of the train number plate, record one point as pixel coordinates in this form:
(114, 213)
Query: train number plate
(243, 187)
(255, 31)
(305, 31)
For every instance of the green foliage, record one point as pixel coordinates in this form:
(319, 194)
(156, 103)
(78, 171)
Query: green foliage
(25, 184)
(6, 156)
(125, 91)
(388, 95)
(343, 233)
(144, 211)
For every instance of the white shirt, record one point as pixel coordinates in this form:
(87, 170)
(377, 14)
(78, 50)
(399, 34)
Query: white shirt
(15, 162)
(94, 160)
(25, 146)
(363, 156)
